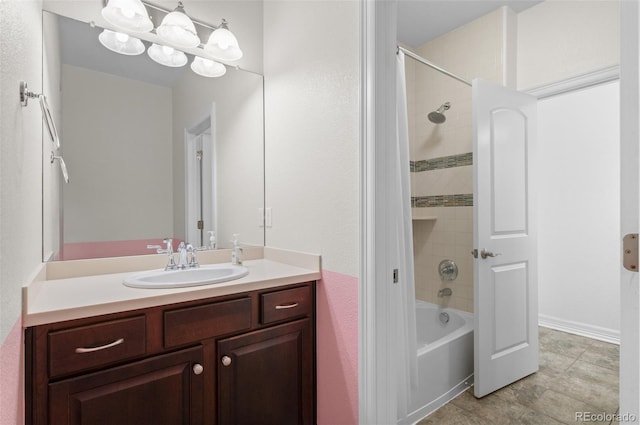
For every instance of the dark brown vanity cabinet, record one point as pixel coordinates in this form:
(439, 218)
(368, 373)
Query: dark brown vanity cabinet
(248, 358)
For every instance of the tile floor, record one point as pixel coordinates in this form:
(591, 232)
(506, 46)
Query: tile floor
(576, 374)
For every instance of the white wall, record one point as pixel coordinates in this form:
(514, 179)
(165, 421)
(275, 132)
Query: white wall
(579, 248)
(561, 39)
(311, 73)
(120, 162)
(20, 187)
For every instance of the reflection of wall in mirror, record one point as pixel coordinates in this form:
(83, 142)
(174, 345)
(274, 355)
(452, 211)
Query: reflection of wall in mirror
(51, 69)
(118, 145)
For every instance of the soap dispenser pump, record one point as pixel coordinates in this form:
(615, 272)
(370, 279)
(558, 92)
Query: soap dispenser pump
(236, 251)
(212, 239)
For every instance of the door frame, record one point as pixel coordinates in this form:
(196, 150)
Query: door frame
(629, 205)
(209, 160)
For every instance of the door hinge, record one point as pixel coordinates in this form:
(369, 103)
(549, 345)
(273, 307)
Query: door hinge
(630, 252)
(200, 225)
(395, 275)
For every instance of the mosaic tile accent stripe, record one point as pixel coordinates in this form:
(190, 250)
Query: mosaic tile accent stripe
(458, 200)
(441, 163)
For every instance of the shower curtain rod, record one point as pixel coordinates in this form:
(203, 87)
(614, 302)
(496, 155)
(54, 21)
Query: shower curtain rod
(432, 65)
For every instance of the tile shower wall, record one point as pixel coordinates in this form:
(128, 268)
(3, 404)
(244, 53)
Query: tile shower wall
(441, 158)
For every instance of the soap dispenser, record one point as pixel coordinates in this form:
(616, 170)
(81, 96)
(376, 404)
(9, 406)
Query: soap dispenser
(212, 239)
(236, 251)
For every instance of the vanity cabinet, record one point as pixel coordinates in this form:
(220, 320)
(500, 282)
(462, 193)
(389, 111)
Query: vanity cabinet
(246, 358)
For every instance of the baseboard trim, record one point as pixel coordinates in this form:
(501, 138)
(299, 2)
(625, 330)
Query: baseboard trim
(582, 329)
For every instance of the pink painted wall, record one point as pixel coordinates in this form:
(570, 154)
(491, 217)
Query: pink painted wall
(337, 349)
(11, 381)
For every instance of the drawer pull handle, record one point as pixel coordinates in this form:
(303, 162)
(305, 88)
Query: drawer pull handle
(102, 347)
(285, 306)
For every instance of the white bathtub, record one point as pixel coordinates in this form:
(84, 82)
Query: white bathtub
(445, 358)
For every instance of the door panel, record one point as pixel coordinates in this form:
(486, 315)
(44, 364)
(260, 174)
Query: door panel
(159, 390)
(505, 285)
(508, 171)
(266, 376)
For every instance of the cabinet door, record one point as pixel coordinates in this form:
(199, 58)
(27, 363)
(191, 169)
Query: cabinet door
(267, 377)
(165, 389)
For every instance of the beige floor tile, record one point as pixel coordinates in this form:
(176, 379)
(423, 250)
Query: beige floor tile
(493, 408)
(603, 354)
(561, 407)
(452, 415)
(576, 374)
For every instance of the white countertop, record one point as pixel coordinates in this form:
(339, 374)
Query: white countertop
(47, 300)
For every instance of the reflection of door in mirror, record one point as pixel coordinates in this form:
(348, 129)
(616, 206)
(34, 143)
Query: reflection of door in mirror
(200, 179)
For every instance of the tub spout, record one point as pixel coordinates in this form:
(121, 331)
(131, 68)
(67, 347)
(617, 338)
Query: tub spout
(446, 292)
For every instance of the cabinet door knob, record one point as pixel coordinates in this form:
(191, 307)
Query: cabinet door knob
(226, 360)
(198, 369)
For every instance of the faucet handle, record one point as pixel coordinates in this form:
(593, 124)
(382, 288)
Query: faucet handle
(158, 248)
(193, 262)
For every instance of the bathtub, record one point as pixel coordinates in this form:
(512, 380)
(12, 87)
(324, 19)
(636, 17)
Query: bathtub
(445, 358)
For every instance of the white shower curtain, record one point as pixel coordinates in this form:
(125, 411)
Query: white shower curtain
(404, 306)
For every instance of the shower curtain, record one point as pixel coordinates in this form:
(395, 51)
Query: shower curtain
(404, 293)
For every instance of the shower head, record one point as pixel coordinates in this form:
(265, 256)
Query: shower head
(437, 116)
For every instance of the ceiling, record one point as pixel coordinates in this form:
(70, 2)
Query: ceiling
(80, 47)
(420, 21)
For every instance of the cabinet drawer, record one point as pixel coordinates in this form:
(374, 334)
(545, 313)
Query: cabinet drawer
(100, 344)
(193, 324)
(285, 304)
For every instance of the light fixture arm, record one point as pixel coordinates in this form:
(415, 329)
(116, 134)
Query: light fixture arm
(179, 8)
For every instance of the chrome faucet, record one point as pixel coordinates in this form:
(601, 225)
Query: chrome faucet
(183, 254)
(445, 292)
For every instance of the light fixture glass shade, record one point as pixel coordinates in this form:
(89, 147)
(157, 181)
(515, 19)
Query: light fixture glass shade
(178, 29)
(121, 43)
(128, 15)
(167, 56)
(207, 67)
(223, 45)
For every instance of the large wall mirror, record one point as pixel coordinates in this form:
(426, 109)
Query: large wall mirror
(152, 151)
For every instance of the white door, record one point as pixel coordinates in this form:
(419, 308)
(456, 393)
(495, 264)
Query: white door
(505, 276)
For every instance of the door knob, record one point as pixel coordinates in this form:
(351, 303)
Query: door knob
(226, 360)
(197, 368)
(484, 254)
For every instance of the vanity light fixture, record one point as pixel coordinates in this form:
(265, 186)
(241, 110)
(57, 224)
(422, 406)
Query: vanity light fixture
(177, 32)
(167, 56)
(120, 42)
(222, 44)
(127, 15)
(178, 29)
(207, 67)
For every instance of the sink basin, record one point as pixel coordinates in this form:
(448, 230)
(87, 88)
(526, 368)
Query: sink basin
(204, 275)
